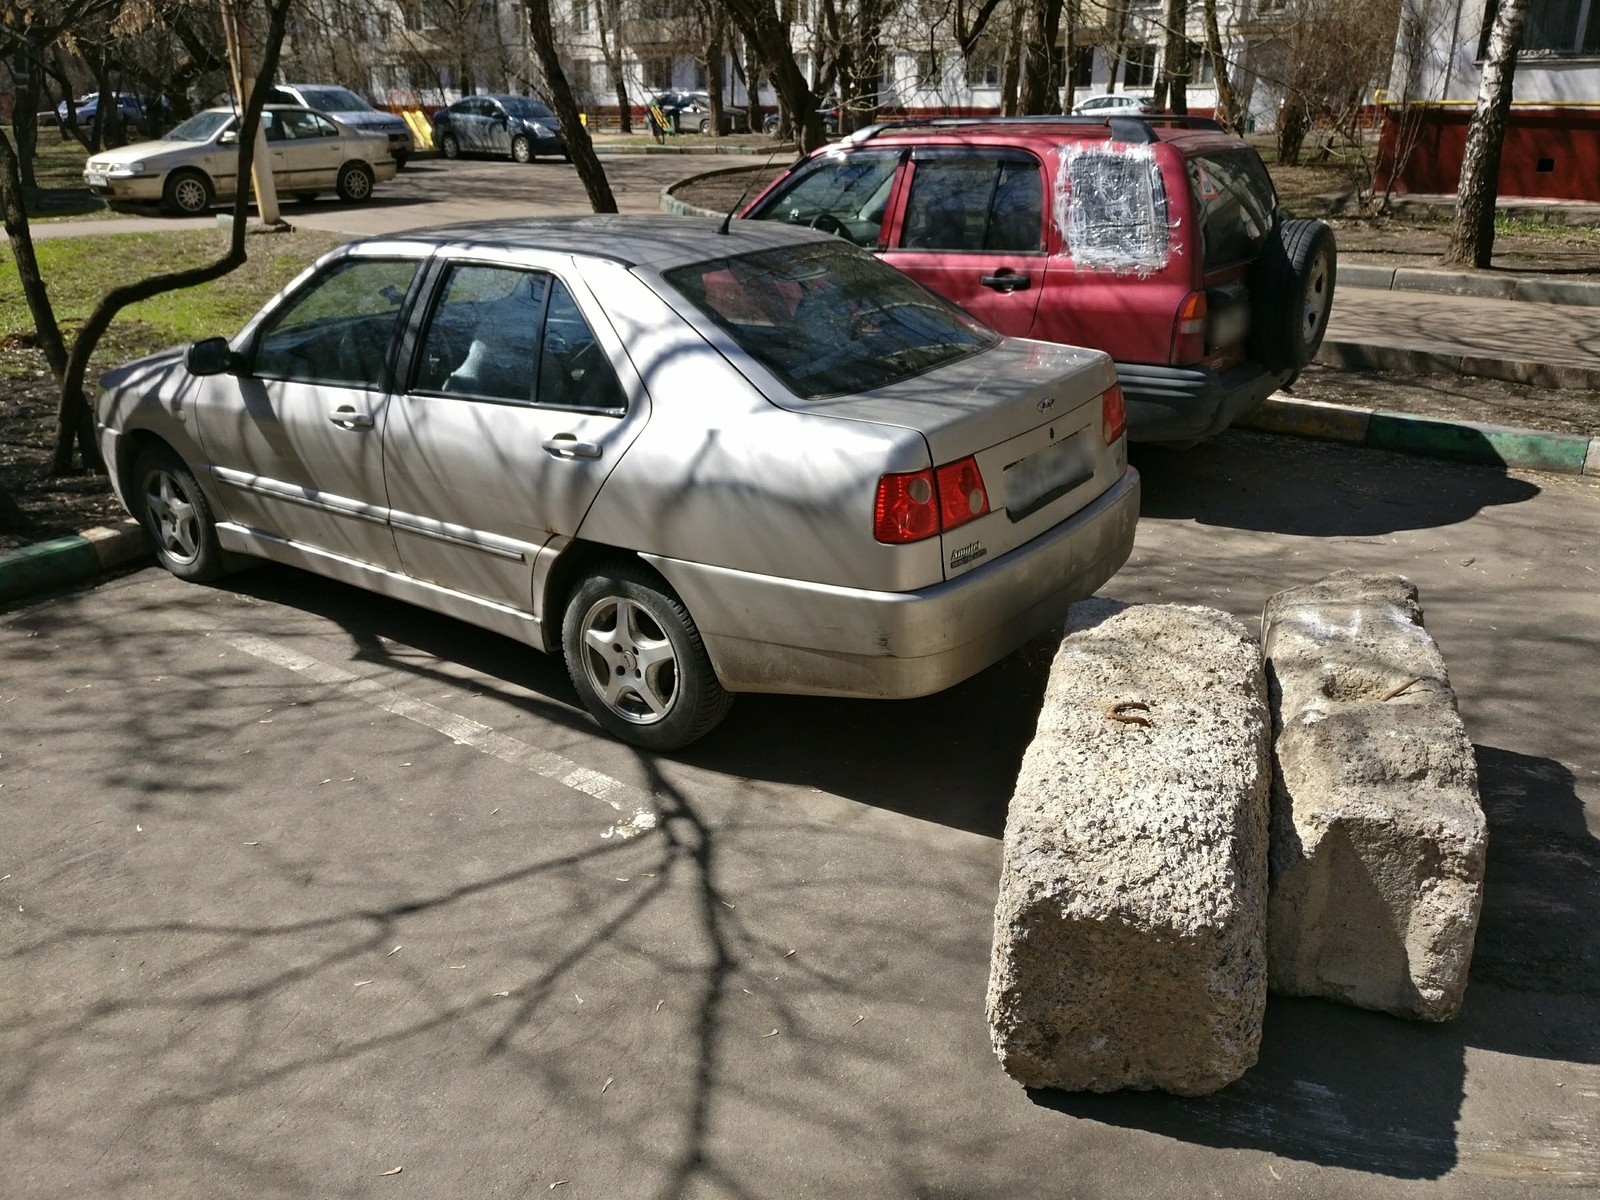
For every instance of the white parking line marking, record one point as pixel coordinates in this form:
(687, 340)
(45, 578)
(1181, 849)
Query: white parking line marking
(464, 731)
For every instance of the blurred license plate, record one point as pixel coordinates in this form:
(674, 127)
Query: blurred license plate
(1045, 475)
(96, 180)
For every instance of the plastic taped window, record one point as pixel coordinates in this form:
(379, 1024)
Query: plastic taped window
(1111, 207)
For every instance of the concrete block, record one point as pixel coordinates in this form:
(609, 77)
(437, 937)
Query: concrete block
(1378, 837)
(1129, 932)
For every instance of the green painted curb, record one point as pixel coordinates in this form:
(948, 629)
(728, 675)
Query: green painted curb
(1468, 442)
(47, 565)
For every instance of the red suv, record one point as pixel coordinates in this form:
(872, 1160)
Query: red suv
(1156, 239)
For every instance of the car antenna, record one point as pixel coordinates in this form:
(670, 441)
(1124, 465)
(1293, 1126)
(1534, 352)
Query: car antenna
(728, 220)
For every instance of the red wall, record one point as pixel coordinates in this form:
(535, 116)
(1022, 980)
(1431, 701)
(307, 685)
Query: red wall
(1550, 153)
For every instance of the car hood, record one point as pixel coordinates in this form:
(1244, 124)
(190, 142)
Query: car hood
(980, 400)
(370, 121)
(145, 151)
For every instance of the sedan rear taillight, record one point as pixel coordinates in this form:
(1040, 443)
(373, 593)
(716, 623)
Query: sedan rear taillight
(920, 504)
(1113, 415)
(1189, 330)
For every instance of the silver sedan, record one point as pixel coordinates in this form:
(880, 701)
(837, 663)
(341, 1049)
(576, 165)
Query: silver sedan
(695, 460)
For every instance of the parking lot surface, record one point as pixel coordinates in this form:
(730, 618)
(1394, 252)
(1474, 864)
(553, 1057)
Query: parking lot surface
(305, 892)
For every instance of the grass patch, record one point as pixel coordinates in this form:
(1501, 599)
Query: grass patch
(78, 271)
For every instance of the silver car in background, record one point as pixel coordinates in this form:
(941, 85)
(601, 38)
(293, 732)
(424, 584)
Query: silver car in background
(695, 460)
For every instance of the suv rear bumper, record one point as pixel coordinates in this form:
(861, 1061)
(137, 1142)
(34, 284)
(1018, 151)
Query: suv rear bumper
(1185, 404)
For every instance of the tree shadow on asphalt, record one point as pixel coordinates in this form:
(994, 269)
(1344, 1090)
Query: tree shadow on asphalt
(1340, 1087)
(1305, 488)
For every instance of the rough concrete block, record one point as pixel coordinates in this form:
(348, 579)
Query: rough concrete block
(1378, 836)
(1129, 932)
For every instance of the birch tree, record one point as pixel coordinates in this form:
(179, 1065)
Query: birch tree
(1472, 232)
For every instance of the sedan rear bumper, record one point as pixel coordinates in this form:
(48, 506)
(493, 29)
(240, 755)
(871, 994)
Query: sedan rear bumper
(1185, 404)
(766, 634)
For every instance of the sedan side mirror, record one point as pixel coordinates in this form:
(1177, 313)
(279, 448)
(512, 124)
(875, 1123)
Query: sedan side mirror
(228, 139)
(211, 356)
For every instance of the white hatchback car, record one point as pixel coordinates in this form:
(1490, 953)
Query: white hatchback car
(1114, 104)
(193, 166)
(694, 460)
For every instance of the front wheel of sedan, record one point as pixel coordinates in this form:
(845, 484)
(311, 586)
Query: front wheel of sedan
(521, 149)
(355, 182)
(637, 660)
(187, 192)
(168, 502)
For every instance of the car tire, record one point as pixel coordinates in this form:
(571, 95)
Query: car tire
(449, 145)
(1291, 292)
(637, 660)
(188, 193)
(400, 161)
(521, 149)
(705, 125)
(167, 500)
(355, 182)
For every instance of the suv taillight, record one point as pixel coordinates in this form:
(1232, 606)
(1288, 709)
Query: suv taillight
(1189, 330)
(920, 504)
(1113, 415)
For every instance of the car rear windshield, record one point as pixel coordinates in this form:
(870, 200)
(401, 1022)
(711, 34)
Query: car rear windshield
(335, 100)
(1235, 201)
(827, 319)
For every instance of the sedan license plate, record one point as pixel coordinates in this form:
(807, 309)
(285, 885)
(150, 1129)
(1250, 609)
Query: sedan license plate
(96, 180)
(1046, 475)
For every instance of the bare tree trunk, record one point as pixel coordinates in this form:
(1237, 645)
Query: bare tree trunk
(74, 422)
(768, 36)
(1119, 45)
(1227, 103)
(1472, 233)
(573, 130)
(1174, 73)
(27, 76)
(1011, 65)
(33, 288)
(1043, 27)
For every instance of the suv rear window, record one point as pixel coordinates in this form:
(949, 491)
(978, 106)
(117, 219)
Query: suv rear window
(1234, 201)
(827, 320)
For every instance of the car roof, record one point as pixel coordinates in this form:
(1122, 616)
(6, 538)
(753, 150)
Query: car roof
(661, 242)
(1046, 132)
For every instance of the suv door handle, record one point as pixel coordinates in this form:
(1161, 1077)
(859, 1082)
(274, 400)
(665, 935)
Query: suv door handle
(347, 417)
(566, 445)
(1007, 280)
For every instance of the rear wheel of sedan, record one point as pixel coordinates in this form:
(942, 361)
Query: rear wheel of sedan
(637, 660)
(355, 182)
(449, 145)
(187, 192)
(1291, 289)
(168, 502)
(521, 149)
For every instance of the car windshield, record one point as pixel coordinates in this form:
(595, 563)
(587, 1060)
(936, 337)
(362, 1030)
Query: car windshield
(826, 319)
(201, 127)
(527, 109)
(335, 100)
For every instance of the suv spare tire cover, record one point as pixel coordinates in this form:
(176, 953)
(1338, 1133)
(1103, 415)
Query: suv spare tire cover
(1291, 294)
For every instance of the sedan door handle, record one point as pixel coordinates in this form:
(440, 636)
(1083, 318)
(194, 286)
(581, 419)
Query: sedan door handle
(1007, 280)
(566, 445)
(348, 418)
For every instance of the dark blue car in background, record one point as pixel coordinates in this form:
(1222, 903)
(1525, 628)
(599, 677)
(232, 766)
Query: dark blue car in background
(85, 108)
(516, 127)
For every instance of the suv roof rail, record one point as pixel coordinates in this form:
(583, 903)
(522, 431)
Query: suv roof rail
(1124, 128)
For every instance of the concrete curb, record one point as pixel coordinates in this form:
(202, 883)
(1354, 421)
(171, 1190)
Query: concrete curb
(1480, 284)
(64, 561)
(1462, 441)
(1410, 360)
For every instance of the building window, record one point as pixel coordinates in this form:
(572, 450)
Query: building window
(1139, 69)
(580, 75)
(580, 15)
(926, 68)
(657, 74)
(983, 67)
(702, 79)
(1554, 27)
